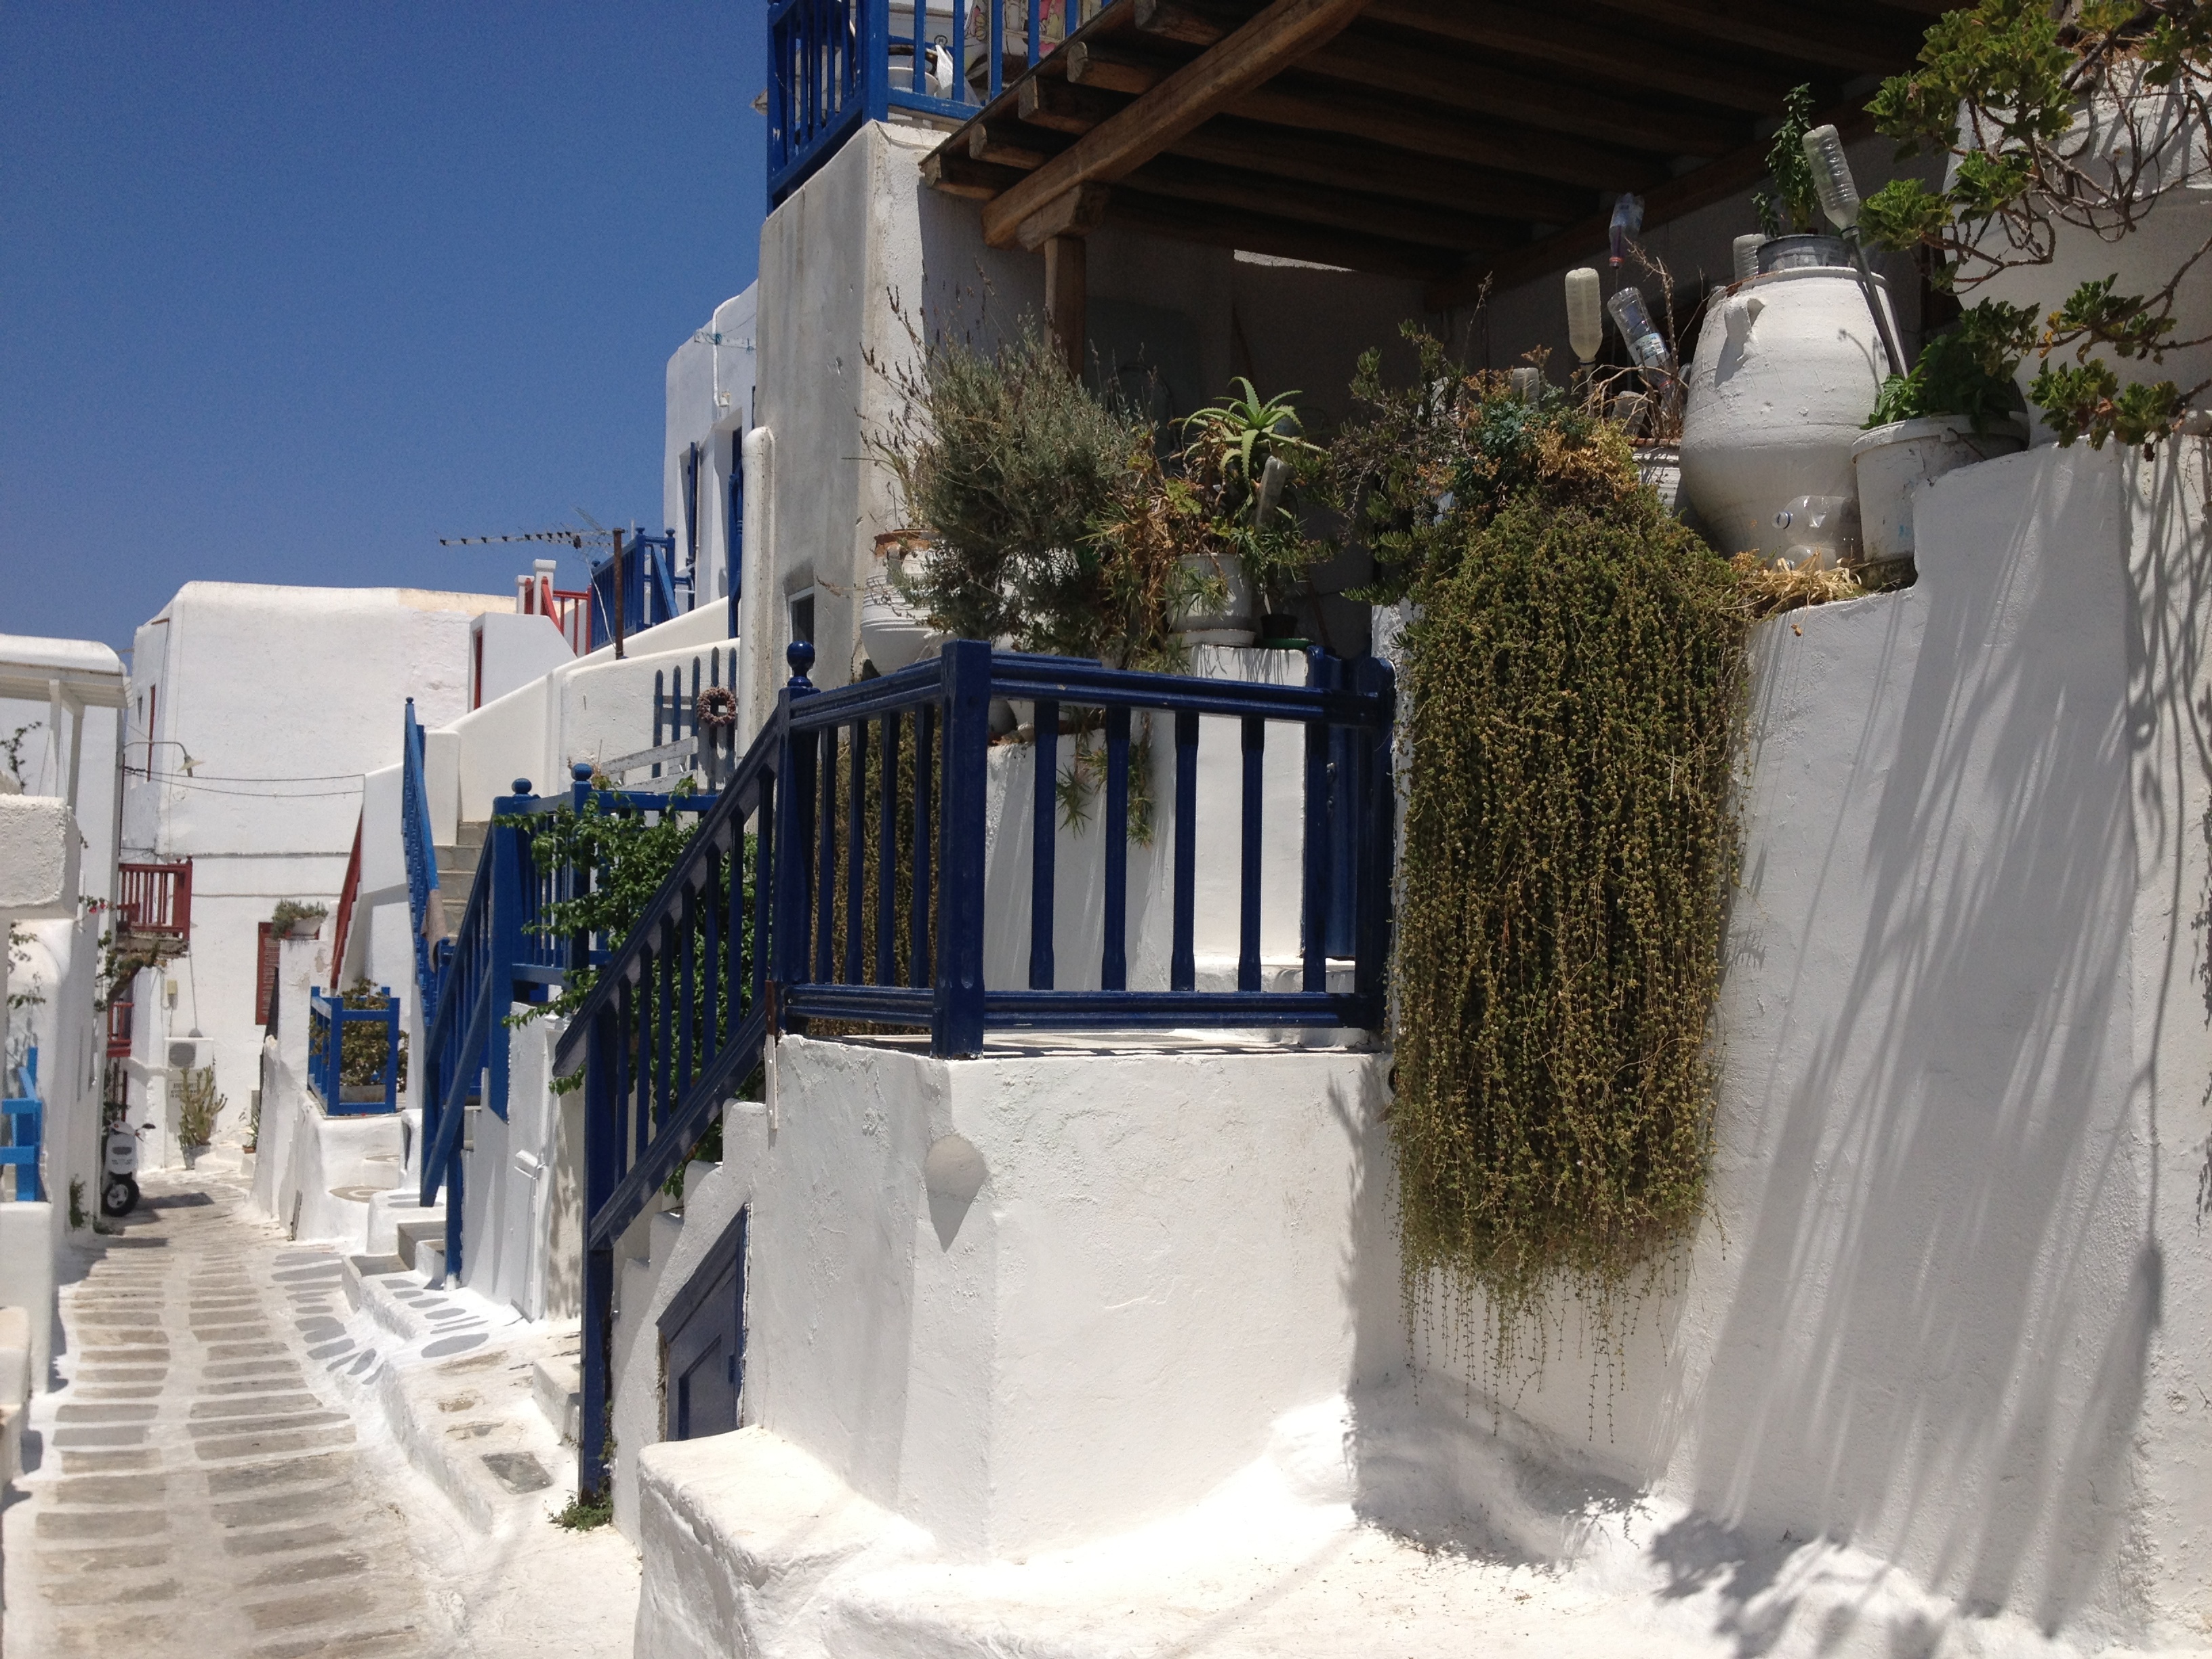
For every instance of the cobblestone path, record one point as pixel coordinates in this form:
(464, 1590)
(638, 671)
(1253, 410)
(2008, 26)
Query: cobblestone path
(200, 1491)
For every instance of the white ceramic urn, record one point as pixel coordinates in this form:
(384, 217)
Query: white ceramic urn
(1787, 370)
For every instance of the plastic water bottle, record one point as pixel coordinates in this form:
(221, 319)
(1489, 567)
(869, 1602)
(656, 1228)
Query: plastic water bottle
(1585, 313)
(1627, 220)
(1647, 346)
(1746, 250)
(1822, 526)
(1831, 176)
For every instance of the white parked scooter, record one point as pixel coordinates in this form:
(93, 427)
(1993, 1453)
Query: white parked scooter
(119, 1184)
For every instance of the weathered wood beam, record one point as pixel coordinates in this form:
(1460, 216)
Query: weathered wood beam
(1285, 32)
(1177, 19)
(1573, 42)
(1074, 215)
(990, 143)
(1337, 164)
(1065, 107)
(1219, 227)
(1111, 69)
(1459, 83)
(1067, 298)
(1715, 181)
(1343, 210)
(957, 173)
(1794, 32)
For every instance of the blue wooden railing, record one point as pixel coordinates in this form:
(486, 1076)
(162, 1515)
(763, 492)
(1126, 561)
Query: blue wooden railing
(419, 844)
(500, 955)
(652, 590)
(679, 1015)
(25, 1113)
(835, 63)
(328, 1021)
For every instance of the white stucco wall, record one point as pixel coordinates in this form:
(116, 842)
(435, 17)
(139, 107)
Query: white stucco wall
(1081, 1319)
(863, 239)
(710, 403)
(282, 697)
(1953, 1287)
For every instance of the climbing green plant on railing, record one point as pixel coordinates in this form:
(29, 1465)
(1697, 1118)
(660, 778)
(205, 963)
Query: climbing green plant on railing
(1574, 685)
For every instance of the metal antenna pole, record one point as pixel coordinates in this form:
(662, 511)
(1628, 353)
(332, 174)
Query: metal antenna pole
(618, 596)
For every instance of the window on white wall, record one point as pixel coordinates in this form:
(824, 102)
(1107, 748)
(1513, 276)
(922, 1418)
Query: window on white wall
(802, 615)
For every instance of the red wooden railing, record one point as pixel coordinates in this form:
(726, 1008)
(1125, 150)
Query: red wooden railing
(570, 611)
(119, 1029)
(155, 898)
(346, 895)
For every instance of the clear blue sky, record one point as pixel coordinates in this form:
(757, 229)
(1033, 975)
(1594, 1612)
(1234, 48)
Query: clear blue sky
(289, 291)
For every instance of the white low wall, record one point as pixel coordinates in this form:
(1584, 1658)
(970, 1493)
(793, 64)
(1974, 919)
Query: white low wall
(1031, 1299)
(522, 1185)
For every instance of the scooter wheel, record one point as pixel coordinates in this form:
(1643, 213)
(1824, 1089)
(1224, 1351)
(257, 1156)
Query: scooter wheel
(119, 1196)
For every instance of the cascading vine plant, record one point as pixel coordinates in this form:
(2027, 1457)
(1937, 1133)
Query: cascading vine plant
(1575, 688)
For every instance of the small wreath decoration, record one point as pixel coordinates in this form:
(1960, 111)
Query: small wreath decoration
(716, 710)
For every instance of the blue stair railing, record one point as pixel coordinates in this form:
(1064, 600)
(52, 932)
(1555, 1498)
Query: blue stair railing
(328, 1021)
(419, 843)
(24, 1115)
(835, 63)
(679, 1015)
(499, 955)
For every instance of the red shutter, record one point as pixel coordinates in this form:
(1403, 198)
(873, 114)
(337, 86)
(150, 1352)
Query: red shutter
(265, 976)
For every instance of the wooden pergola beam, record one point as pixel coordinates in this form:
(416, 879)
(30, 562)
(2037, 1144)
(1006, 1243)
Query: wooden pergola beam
(1573, 42)
(1508, 95)
(1714, 182)
(1797, 32)
(1285, 32)
(1252, 232)
(1078, 104)
(1344, 210)
(1336, 164)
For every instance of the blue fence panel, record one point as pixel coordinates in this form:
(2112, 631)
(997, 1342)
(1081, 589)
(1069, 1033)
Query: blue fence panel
(682, 1008)
(328, 1021)
(419, 844)
(24, 1115)
(835, 63)
(652, 590)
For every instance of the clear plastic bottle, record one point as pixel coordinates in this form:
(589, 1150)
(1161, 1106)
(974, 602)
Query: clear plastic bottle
(1746, 255)
(1646, 344)
(1585, 313)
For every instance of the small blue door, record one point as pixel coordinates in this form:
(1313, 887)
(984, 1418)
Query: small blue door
(703, 1332)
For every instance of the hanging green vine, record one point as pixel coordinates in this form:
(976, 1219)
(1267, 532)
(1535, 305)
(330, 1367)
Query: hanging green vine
(1575, 689)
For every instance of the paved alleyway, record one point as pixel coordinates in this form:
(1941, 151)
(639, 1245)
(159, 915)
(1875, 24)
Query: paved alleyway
(208, 1487)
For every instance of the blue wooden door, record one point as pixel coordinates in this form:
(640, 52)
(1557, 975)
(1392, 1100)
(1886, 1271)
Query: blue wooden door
(703, 1333)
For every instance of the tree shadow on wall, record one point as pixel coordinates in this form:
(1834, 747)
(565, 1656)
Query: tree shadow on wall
(1940, 1179)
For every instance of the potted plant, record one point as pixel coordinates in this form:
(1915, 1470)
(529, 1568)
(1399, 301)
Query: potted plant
(1790, 214)
(2077, 193)
(298, 919)
(1958, 405)
(1250, 463)
(894, 633)
(198, 1106)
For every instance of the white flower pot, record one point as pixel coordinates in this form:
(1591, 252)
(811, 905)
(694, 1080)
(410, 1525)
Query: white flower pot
(892, 634)
(1894, 463)
(2175, 223)
(1234, 622)
(1787, 370)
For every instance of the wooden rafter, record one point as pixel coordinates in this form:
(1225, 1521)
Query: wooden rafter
(1285, 31)
(1441, 138)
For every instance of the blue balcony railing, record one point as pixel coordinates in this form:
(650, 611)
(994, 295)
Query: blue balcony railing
(834, 63)
(23, 1114)
(498, 956)
(781, 911)
(652, 590)
(374, 1086)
